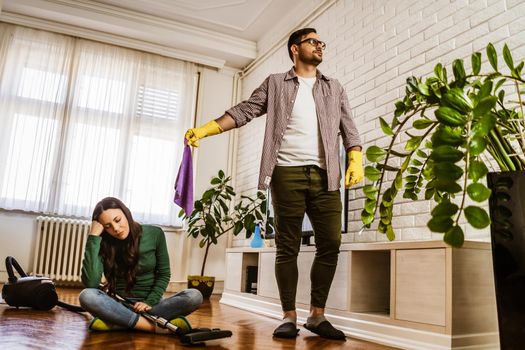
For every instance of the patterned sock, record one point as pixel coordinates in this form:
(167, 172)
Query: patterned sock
(313, 321)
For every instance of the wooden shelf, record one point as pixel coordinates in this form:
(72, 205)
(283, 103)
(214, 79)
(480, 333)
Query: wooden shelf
(387, 292)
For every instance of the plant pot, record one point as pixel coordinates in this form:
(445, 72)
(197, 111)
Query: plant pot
(203, 284)
(507, 213)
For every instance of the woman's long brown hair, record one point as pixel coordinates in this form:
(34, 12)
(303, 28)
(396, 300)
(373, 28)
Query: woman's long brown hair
(119, 257)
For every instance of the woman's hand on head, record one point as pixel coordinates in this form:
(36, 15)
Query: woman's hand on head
(139, 306)
(96, 228)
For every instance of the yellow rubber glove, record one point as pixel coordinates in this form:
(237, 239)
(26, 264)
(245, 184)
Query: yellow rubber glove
(209, 129)
(354, 173)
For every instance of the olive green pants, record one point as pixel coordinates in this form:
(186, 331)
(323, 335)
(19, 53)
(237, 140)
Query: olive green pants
(295, 191)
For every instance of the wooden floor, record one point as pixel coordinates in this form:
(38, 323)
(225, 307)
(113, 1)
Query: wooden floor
(61, 329)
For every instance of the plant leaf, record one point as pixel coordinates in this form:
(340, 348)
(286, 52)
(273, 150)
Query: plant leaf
(485, 105)
(446, 153)
(454, 237)
(499, 83)
(398, 181)
(440, 224)
(370, 205)
(385, 127)
(476, 62)
(477, 170)
(438, 71)
(446, 170)
(445, 185)
(484, 125)
(493, 56)
(478, 192)
(457, 99)
(485, 89)
(421, 124)
(370, 191)
(399, 154)
(477, 145)
(458, 69)
(445, 208)
(445, 135)
(501, 95)
(372, 173)
(237, 228)
(413, 143)
(450, 116)
(390, 233)
(421, 154)
(375, 154)
(508, 57)
(477, 216)
(366, 217)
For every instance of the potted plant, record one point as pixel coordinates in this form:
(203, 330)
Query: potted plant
(456, 126)
(212, 217)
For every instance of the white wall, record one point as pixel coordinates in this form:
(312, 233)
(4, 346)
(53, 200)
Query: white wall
(18, 229)
(212, 155)
(17, 239)
(373, 46)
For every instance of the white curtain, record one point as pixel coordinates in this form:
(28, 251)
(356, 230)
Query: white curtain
(81, 120)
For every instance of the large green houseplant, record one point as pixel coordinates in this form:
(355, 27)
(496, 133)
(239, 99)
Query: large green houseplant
(212, 217)
(456, 125)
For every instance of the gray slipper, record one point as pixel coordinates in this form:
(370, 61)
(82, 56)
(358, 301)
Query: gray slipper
(286, 330)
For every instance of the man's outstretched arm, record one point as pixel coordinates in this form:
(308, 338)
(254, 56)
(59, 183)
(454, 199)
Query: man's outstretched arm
(214, 127)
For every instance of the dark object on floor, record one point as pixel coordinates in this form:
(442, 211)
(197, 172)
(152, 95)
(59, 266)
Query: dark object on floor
(286, 330)
(326, 330)
(31, 291)
(200, 335)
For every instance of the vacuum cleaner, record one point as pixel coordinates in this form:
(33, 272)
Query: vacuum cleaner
(194, 337)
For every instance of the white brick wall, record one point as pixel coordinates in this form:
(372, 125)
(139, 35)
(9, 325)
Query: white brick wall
(373, 46)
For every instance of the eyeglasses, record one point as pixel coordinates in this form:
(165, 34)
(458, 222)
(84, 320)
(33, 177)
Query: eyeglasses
(313, 42)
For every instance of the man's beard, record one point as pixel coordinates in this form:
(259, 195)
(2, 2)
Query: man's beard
(313, 60)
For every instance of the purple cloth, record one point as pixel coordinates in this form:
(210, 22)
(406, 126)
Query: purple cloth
(184, 183)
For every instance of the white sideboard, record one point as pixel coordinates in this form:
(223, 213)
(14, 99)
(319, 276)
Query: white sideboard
(412, 295)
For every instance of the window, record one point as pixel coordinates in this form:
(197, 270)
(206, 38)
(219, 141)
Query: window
(84, 120)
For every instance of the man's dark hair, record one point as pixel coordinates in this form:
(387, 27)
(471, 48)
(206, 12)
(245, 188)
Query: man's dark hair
(295, 38)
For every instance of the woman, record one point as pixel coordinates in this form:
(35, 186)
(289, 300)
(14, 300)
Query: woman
(134, 260)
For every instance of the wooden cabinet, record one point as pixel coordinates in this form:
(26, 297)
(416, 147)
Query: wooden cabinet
(412, 295)
(420, 286)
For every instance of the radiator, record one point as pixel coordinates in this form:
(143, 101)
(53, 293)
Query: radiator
(59, 248)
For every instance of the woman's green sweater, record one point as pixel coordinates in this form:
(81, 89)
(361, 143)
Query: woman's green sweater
(153, 272)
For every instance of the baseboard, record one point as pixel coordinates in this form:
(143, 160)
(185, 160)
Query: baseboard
(376, 332)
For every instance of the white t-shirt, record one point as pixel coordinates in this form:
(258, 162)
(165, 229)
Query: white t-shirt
(301, 143)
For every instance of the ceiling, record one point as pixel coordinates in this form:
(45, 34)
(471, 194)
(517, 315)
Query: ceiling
(246, 19)
(212, 32)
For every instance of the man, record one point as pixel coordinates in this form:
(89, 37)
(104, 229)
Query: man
(306, 111)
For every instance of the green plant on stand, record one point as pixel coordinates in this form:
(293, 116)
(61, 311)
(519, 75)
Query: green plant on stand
(213, 217)
(456, 126)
